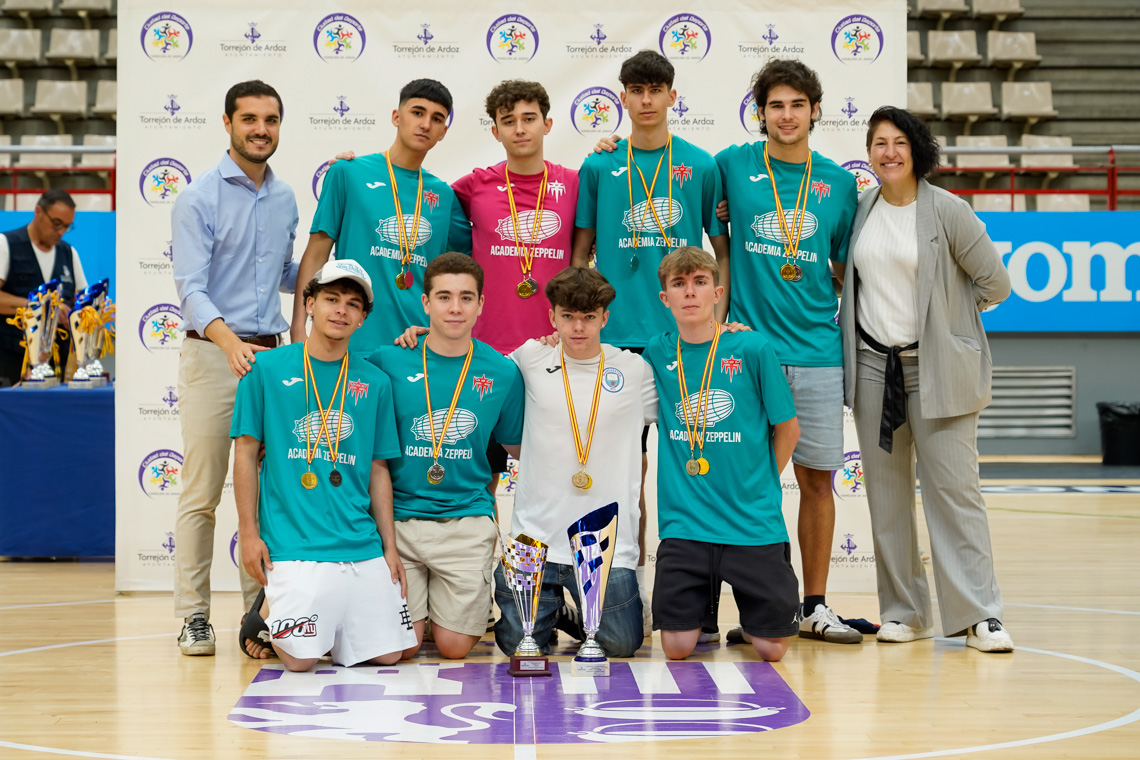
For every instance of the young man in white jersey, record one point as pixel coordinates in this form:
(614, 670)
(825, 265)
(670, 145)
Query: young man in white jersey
(315, 524)
(791, 211)
(586, 405)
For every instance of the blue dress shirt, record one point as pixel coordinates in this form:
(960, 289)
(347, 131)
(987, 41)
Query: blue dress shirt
(233, 250)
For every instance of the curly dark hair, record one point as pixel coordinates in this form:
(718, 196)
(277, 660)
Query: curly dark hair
(580, 289)
(787, 73)
(314, 288)
(646, 67)
(924, 149)
(453, 262)
(510, 92)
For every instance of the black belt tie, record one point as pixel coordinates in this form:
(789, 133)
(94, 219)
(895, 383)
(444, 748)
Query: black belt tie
(894, 389)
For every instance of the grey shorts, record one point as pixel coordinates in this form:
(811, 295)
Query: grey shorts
(818, 396)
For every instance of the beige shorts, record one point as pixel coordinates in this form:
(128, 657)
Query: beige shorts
(450, 569)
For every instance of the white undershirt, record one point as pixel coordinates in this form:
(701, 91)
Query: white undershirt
(886, 257)
(46, 260)
(546, 502)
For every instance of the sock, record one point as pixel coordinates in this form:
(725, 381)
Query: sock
(811, 602)
(642, 589)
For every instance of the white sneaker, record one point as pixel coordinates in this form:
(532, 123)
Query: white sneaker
(197, 637)
(896, 633)
(823, 624)
(989, 636)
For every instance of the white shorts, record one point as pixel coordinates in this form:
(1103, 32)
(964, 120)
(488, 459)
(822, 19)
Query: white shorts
(350, 608)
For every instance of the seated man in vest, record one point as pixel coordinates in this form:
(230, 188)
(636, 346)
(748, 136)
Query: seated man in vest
(29, 257)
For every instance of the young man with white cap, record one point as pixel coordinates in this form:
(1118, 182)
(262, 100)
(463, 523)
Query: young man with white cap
(316, 528)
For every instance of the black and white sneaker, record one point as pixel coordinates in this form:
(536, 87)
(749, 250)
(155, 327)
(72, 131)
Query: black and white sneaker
(989, 636)
(569, 620)
(823, 624)
(197, 637)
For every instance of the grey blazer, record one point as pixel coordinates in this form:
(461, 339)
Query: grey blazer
(960, 274)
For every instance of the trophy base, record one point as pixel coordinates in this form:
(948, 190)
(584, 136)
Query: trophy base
(92, 382)
(590, 666)
(34, 383)
(529, 666)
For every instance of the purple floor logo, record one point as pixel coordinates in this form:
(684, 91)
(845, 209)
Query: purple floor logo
(865, 177)
(857, 39)
(160, 473)
(479, 703)
(339, 37)
(512, 38)
(162, 180)
(847, 481)
(166, 36)
(596, 111)
(685, 37)
(159, 328)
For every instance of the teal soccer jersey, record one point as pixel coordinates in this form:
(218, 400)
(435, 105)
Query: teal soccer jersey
(604, 206)
(739, 500)
(356, 210)
(327, 523)
(797, 317)
(491, 402)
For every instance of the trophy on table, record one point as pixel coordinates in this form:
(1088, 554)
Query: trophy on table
(40, 318)
(524, 560)
(90, 336)
(592, 540)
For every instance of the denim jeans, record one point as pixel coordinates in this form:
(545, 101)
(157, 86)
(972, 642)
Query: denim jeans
(620, 633)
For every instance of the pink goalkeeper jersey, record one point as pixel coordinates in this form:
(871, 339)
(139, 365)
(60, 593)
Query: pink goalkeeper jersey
(508, 321)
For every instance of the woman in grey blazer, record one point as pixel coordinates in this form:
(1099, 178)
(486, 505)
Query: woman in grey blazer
(916, 372)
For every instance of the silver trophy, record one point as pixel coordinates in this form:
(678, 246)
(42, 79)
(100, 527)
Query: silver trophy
(40, 319)
(89, 337)
(524, 560)
(592, 541)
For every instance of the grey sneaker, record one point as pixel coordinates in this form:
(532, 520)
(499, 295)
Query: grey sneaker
(823, 624)
(709, 636)
(197, 637)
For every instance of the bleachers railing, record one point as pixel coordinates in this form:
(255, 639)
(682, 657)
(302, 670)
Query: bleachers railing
(13, 172)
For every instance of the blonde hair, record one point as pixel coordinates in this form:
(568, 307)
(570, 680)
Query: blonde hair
(687, 260)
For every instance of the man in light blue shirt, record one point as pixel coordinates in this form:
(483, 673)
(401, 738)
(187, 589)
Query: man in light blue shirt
(233, 232)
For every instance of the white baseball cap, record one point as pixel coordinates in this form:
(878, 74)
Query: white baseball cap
(345, 269)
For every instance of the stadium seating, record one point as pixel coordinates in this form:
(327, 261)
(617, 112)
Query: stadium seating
(111, 54)
(914, 56)
(25, 9)
(1046, 160)
(1028, 101)
(1062, 202)
(106, 98)
(1015, 50)
(92, 201)
(73, 47)
(998, 10)
(967, 100)
(60, 99)
(997, 202)
(953, 49)
(45, 159)
(5, 158)
(972, 160)
(11, 97)
(920, 99)
(21, 47)
(98, 160)
(942, 10)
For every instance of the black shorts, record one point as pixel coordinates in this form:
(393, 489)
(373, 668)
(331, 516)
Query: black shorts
(496, 456)
(686, 587)
(639, 350)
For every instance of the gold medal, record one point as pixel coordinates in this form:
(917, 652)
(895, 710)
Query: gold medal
(703, 466)
(407, 242)
(401, 283)
(526, 288)
(436, 472)
(309, 481)
(582, 480)
(697, 412)
(529, 286)
(788, 272)
(692, 467)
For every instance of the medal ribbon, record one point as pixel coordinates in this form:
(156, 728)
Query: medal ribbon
(526, 258)
(407, 243)
(436, 446)
(791, 242)
(701, 417)
(583, 451)
(630, 165)
(310, 377)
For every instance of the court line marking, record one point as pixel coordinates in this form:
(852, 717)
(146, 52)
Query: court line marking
(524, 752)
(56, 604)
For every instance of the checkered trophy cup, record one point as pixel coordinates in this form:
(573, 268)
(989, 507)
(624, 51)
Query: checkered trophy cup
(524, 560)
(40, 318)
(87, 336)
(592, 540)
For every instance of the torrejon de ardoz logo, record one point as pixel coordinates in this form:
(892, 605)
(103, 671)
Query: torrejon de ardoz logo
(596, 111)
(857, 39)
(685, 37)
(339, 37)
(166, 36)
(512, 38)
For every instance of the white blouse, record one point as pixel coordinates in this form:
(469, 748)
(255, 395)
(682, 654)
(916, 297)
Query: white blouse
(886, 257)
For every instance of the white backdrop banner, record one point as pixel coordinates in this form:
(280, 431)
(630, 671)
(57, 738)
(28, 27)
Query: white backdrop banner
(339, 68)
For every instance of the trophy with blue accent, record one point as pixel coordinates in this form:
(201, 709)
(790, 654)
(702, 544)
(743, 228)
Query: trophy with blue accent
(592, 540)
(90, 336)
(40, 318)
(524, 560)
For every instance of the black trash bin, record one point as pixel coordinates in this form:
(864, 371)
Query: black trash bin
(1119, 432)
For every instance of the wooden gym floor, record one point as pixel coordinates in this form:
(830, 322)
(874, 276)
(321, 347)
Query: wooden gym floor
(86, 673)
